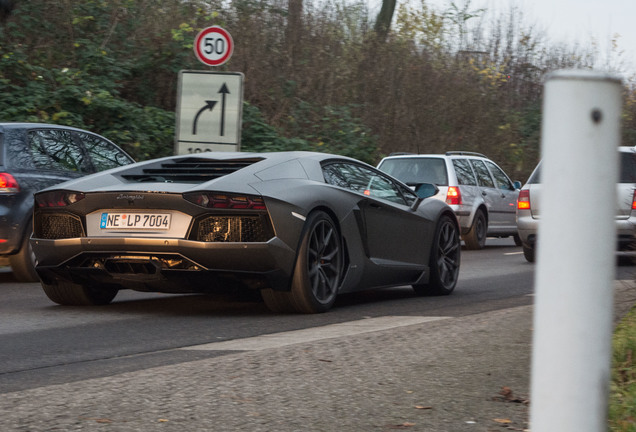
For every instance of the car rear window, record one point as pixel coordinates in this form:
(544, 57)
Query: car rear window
(417, 170)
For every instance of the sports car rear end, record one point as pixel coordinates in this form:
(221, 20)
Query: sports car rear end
(157, 241)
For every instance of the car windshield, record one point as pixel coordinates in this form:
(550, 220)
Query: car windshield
(417, 170)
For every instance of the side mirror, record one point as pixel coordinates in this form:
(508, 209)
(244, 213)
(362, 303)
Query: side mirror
(517, 185)
(423, 191)
(426, 190)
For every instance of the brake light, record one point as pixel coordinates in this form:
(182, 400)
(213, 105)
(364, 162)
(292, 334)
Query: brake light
(8, 184)
(453, 196)
(57, 198)
(226, 201)
(523, 201)
(634, 201)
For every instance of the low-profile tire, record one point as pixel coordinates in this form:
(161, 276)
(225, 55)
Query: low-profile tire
(528, 253)
(23, 263)
(444, 260)
(277, 301)
(71, 294)
(476, 237)
(318, 269)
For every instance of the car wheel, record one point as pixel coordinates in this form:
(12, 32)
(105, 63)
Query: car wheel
(517, 240)
(444, 260)
(318, 267)
(528, 252)
(23, 263)
(476, 237)
(277, 301)
(71, 294)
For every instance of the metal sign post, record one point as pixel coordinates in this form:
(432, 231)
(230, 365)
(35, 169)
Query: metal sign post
(209, 104)
(571, 355)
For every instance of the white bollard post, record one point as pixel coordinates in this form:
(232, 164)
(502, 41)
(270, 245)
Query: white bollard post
(576, 259)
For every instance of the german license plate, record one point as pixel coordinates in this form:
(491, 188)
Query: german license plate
(114, 220)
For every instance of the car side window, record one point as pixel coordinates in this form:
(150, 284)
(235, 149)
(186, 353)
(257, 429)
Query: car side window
(103, 154)
(362, 180)
(55, 149)
(483, 175)
(464, 172)
(628, 167)
(503, 182)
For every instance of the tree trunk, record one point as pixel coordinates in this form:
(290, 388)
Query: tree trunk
(383, 21)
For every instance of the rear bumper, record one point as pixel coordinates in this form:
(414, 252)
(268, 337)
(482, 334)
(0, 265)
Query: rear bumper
(164, 264)
(527, 228)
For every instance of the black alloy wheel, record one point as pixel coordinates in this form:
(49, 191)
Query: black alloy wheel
(444, 260)
(317, 272)
(318, 265)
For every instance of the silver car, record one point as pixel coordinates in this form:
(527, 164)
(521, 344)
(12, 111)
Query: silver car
(529, 209)
(480, 193)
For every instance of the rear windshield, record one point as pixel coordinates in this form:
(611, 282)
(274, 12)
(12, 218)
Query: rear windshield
(627, 171)
(417, 170)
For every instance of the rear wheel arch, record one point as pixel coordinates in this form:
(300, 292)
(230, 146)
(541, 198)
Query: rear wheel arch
(444, 258)
(23, 262)
(336, 221)
(318, 268)
(475, 238)
(482, 208)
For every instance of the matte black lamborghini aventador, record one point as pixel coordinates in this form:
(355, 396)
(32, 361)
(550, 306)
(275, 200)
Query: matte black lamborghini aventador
(301, 227)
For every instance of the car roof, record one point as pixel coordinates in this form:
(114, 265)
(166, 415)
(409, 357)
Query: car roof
(449, 154)
(28, 125)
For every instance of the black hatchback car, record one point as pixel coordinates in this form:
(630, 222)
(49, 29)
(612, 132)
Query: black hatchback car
(34, 156)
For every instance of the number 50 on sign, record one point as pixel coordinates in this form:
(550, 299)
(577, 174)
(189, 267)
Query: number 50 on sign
(213, 46)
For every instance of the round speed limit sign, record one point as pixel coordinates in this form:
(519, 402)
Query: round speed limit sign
(213, 46)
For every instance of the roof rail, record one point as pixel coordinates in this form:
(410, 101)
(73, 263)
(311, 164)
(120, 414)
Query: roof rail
(401, 153)
(465, 153)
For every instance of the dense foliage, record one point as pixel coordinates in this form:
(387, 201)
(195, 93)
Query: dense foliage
(316, 77)
(622, 403)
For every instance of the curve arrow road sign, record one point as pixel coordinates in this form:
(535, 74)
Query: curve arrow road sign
(209, 111)
(208, 105)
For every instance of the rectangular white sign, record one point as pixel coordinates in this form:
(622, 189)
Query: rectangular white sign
(209, 111)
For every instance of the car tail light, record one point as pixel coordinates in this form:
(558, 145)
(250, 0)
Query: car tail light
(523, 201)
(8, 184)
(57, 198)
(634, 201)
(453, 196)
(226, 201)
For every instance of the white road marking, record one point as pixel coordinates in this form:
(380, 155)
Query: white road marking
(277, 340)
(513, 253)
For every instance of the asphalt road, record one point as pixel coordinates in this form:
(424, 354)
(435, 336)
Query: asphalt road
(42, 343)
